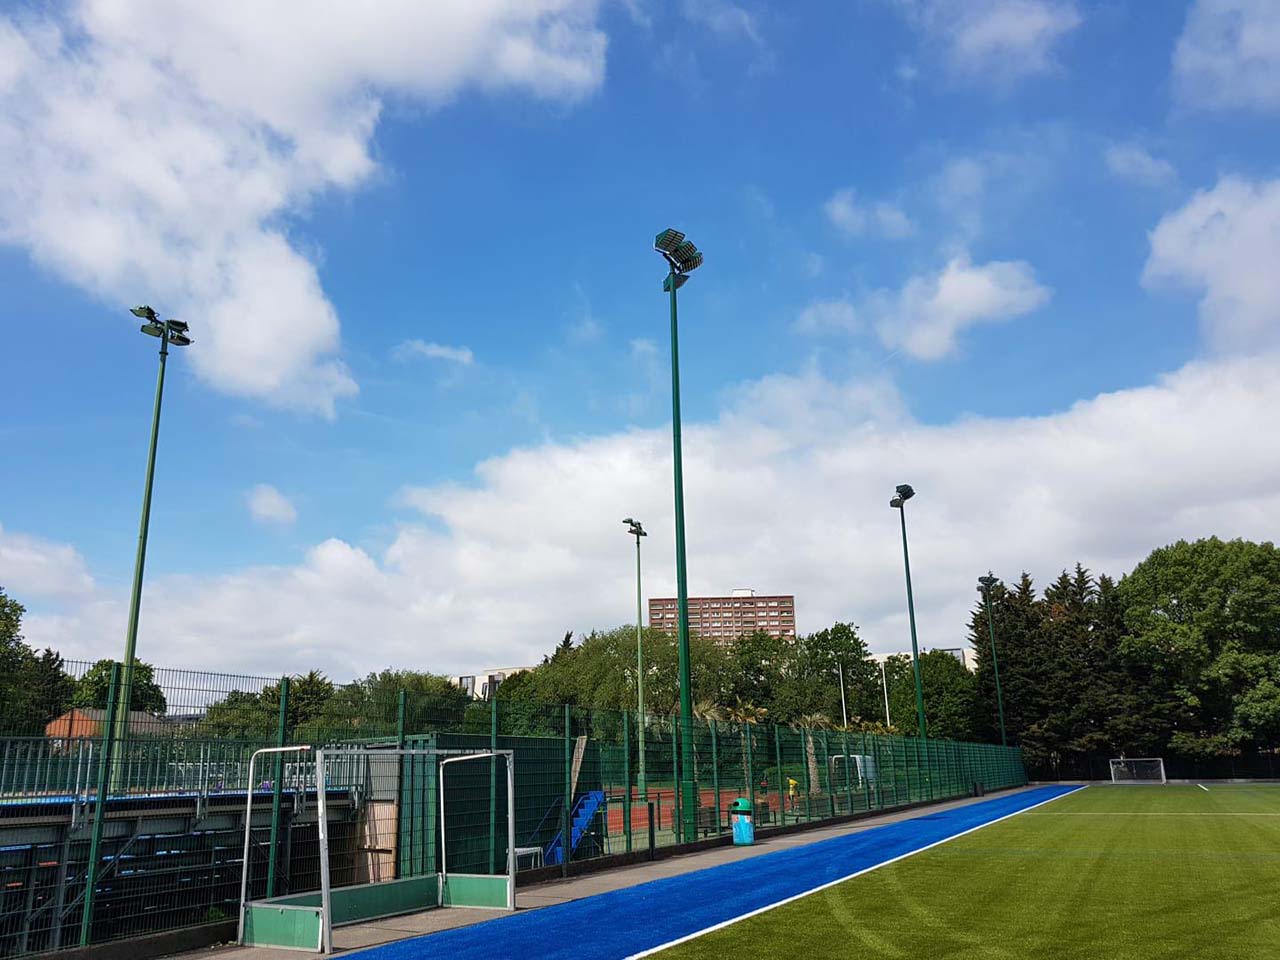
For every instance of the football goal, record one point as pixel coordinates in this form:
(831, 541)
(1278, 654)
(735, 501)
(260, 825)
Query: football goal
(373, 831)
(1138, 770)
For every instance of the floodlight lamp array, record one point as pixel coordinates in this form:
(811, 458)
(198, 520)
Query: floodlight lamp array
(680, 254)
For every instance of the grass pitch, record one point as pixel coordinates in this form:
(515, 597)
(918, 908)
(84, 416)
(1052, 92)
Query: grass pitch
(1122, 873)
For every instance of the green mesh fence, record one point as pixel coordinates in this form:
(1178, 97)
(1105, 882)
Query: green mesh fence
(163, 848)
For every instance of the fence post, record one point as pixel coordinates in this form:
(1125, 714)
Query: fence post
(716, 772)
(100, 807)
(493, 789)
(401, 711)
(782, 780)
(566, 818)
(277, 772)
(626, 778)
(678, 823)
(848, 780)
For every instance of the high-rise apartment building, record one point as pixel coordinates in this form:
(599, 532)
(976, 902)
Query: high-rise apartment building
(724, 619)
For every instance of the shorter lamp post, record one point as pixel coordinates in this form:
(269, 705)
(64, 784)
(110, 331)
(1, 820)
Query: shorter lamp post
(844, 707)
(884, 683)
(903, 493)
(168, 332)
(984, 587)
(636, 530)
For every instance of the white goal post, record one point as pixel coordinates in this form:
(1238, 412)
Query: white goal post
(376, 816)
(1138, 770)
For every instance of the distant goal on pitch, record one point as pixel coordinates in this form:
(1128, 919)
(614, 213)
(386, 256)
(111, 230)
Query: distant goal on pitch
(1138, 770)
(374, 831)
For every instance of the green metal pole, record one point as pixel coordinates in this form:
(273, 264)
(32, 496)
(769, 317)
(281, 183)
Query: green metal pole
(277, 772)
(689, 801)
(715, 770)
(911, 613)
(644, 785)
(566, 819)
(135, 599)
(99, 808)
(402, 795)
(782, 780)
(493, 787)
(995, 664)
(677, 774)
(626, 777)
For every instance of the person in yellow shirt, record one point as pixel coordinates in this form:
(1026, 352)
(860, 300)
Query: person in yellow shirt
(792, 785)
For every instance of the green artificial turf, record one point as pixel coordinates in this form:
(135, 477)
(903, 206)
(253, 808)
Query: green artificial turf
(1106, 873)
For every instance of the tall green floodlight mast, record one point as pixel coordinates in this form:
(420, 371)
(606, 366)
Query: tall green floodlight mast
(903, 493)
(173, 332)
(636, 530)
(984, 587)
(682, 258)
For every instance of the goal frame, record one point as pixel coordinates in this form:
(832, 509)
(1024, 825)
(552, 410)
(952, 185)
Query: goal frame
(1129, 781)
(305, 921)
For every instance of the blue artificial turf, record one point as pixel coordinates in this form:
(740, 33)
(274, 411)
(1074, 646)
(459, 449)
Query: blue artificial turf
(615, 925)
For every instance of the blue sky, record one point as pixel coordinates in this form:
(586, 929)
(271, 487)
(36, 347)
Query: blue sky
(929, 222)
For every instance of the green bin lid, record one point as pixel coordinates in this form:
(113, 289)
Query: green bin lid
(741, 805)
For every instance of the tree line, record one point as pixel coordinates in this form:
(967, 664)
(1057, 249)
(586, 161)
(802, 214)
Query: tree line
(1178, 658)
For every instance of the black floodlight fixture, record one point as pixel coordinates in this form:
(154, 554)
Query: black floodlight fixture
(905, 491)
(153, 329)
(178, 333)
(668, 240)
(986, 583)
(144, 313)
(681, 254)
(634, 528)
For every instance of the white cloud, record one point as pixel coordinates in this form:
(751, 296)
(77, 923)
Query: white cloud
(33, 567)
(725, 19)
(1133, 162)
(926, 315)
(880, 219)
(1225, 242)
(534, 548)
(1229, 55)
(995, 40)
(434, 351)
(155, 150)
(269, 505)
(829, 316)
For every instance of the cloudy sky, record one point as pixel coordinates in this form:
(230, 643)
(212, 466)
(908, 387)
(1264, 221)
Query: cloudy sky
(1023, 254)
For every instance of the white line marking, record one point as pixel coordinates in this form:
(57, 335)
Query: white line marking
(1148, 813)
(1203, 787)
(831, 883)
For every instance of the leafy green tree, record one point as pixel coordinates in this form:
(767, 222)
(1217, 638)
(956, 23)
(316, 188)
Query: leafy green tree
(1203, 620)
(93, 689)
(949, 690)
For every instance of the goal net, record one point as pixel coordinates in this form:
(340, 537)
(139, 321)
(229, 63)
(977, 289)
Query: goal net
(1138, 770)
(376, 831)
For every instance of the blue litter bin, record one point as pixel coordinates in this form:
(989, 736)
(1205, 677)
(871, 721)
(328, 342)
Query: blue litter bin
(744, 830)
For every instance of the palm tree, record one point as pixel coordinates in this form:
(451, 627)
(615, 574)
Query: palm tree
(808, 723)
(746, 715)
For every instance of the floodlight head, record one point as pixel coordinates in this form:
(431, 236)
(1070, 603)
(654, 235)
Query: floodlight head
(634, 528)
(152, 329)
(179, 340)
(628, 521)
(679, 278)
(668, 240)
(987, 582)
(905, 492)
(693, 263)
(896, 502)
(143, 313)
(178, 326)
